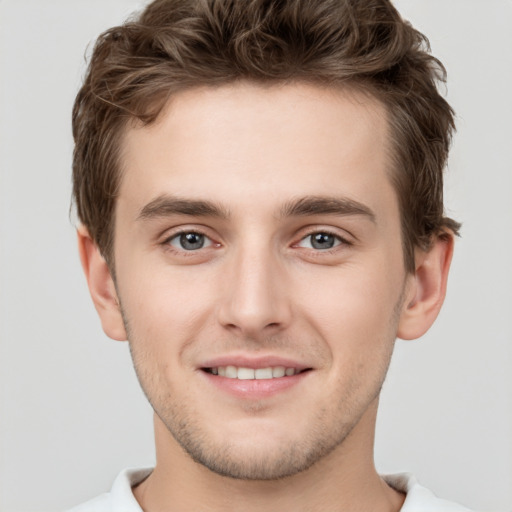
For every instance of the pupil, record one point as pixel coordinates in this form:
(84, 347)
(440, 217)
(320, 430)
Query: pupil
(322, 241)
(192, 241)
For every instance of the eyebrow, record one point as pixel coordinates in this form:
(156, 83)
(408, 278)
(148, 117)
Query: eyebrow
(326, 205)
(165, 206)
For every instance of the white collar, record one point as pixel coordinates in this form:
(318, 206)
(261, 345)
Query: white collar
(419, 498)
(121, 498)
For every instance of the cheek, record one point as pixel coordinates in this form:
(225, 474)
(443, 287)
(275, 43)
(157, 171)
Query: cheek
(166, 310)
(354, 309)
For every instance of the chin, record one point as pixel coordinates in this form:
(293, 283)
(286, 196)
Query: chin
(256, 454)
(257, 464)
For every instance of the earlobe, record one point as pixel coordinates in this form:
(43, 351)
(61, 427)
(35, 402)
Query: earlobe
(101, 286)
(427, 289)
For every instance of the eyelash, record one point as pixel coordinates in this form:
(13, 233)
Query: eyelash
(317, 252)
(184, 252)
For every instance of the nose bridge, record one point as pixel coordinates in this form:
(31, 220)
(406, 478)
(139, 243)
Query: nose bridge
(254, 298)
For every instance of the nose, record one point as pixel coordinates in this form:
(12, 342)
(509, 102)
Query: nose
(254, 295)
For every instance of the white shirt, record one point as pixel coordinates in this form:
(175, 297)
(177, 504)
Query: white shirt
(121, 498)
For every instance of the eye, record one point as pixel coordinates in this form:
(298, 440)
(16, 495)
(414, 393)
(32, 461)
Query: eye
(189, 241)
(320, 241)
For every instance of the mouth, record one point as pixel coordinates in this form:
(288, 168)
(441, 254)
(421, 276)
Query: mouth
(250, 377)
(244, 373)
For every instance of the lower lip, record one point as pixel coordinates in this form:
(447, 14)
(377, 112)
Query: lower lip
(255, 388)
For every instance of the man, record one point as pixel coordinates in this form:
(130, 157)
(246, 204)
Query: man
(259, 185)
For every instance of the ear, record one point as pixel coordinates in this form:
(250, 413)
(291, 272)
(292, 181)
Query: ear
(101, 286)
(427, 288)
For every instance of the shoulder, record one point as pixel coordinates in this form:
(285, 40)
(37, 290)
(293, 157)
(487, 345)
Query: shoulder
(419, 498)
(120, 498)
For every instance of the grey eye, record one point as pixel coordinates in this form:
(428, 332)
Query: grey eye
(320, 241)
(190, 241)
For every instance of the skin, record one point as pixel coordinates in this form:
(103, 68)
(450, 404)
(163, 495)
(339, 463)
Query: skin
(261, 287)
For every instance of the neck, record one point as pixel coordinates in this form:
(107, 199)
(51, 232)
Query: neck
(345, 479)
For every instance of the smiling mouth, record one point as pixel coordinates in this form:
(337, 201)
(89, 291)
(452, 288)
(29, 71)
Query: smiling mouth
(242, 373)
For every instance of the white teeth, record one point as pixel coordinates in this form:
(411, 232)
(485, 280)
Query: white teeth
(278, 371)
(263, 373)
(245, 373)
(242, 373)
(231, 372)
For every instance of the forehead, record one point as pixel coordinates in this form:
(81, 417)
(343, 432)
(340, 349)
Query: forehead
(241, 142)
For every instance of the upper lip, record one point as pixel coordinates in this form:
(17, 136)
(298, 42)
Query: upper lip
(251, 361)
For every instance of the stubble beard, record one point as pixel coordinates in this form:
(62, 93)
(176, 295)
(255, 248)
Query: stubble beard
(291, 457)
(261, 464)
(272, 462)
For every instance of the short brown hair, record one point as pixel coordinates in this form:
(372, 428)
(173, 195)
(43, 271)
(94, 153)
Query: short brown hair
(177, 44)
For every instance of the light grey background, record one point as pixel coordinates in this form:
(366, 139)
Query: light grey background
(71, 412)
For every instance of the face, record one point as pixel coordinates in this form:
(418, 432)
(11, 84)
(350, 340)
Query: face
(260, 272)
